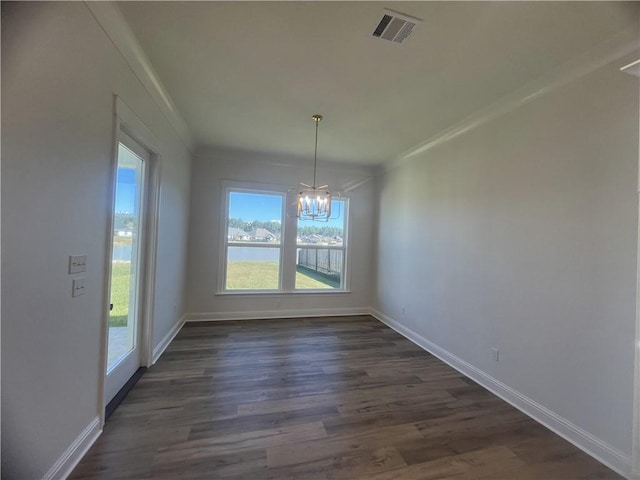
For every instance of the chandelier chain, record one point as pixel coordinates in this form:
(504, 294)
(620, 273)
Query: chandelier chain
(315, 157)
(317, 119)
(314, 203)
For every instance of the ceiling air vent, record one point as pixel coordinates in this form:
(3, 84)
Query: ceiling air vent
(395, 26)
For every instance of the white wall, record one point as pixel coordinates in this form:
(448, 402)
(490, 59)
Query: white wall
(209, 169)
(522, 234)
(59, 74)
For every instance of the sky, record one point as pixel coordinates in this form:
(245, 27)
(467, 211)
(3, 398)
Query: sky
(125, 190)
(128, 165)
(250, 206)
(246, 206)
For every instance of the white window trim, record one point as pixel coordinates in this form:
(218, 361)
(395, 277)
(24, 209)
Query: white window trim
(288, 243)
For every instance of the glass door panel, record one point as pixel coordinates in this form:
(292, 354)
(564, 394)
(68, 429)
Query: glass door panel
(125, 259)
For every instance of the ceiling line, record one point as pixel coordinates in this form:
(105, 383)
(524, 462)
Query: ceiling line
(614, 48)
(113, 23)
(274, 159)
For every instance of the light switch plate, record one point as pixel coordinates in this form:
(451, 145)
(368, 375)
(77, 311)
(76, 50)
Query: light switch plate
(78, 287)
(77, 263)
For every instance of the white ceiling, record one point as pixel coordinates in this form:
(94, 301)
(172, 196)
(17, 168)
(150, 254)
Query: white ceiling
(249, 75)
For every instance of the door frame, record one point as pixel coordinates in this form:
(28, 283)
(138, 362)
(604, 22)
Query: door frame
(635, 441)
(126, 121)
(635, 453)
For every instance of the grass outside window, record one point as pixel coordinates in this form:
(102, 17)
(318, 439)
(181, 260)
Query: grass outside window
(240, 276)
(120, 286)
(264, 276)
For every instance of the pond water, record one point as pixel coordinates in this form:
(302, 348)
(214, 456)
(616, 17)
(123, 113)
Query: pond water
(121, 253)
(253, 254)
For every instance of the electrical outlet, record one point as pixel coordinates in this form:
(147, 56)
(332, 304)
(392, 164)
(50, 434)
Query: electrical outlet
(495, 353)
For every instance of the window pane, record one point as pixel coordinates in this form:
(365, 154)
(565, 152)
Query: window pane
(253, 268)
(319, 264)
(319, 268)
(324, 233)
(124, 256)
(254, 218)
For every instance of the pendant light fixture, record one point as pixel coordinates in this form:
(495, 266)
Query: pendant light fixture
(314, 203)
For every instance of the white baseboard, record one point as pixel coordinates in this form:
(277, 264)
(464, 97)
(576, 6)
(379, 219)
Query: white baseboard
(265, 314)
(598, 449)
(72, 455)
(164, 343)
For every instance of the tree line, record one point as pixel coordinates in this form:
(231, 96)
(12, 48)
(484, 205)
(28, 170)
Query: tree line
(323, 231)
(272, 226)
(276, 227)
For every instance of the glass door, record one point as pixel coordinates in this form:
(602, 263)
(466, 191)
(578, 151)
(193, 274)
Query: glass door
(123, 357)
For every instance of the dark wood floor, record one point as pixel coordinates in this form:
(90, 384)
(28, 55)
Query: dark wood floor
(324, 398)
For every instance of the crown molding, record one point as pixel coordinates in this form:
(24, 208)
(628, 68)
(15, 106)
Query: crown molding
(110, 18)
(632, 69)
(616, 47)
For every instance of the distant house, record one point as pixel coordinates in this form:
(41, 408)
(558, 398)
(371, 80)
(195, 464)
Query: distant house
(237, 234)
(312, 239)
(315, 239)
(264, 235)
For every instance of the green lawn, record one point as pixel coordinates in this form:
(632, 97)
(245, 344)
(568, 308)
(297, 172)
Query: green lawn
(264, 275)
(120, 276)
(306, 278)
(240, 276)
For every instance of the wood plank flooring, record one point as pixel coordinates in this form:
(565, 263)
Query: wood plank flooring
(323, 398)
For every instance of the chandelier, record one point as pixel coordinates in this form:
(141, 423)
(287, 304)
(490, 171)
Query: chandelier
(314, 203)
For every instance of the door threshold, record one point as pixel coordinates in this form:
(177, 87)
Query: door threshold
(122, 393)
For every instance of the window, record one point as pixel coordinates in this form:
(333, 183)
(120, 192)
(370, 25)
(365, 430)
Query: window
(253, 245)
(267, 249)
(320, 251)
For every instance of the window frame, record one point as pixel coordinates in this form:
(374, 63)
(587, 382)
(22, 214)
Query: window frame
(288, 241)
(344, 248)
(256, 189)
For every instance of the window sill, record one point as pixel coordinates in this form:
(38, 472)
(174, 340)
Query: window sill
(274, 293)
